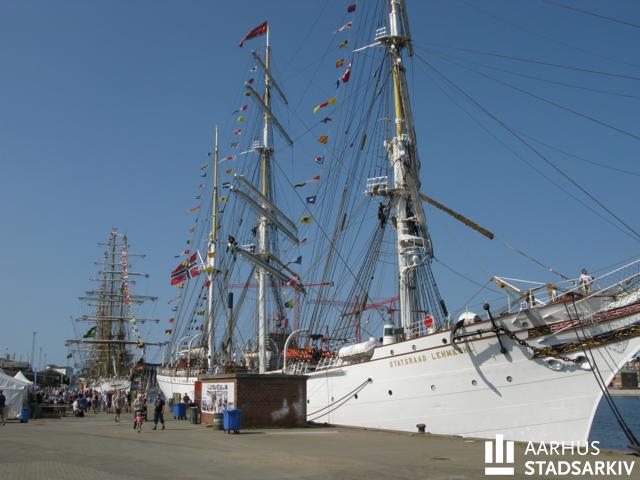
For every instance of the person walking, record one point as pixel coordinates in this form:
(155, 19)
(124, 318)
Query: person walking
(138, 409)
(158, 412)
(118, 403)
(3, 405)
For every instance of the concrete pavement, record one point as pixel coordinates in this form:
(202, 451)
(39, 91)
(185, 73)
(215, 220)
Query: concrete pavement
(96, 448)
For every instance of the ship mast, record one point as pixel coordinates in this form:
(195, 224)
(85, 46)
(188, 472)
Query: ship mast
(413, 244)
(262, 227)
(211, 256)
(269, 267)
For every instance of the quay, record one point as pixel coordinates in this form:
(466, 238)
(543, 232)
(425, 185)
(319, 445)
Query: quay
(95, 447)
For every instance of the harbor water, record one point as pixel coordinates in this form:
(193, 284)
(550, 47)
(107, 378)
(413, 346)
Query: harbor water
(605, 428)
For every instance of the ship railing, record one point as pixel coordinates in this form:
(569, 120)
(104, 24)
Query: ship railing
(525, 294)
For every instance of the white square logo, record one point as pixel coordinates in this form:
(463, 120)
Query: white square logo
(503, 454)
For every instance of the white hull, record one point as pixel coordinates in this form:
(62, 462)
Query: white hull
(477, 393)
(171, 384)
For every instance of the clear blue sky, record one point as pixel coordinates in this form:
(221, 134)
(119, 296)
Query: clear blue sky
(107, 108)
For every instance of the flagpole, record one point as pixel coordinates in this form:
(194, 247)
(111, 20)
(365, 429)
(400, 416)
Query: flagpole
(211, 257)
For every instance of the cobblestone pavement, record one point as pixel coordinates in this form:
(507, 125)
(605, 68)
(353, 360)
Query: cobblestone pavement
(96, 448)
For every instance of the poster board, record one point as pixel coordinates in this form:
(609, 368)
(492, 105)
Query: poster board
(217, 397)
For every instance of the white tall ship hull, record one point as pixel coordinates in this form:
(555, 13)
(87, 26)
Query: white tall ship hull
(479, 392)
(171, 383)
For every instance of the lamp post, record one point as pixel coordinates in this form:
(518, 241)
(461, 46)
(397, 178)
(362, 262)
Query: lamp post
(286, 347)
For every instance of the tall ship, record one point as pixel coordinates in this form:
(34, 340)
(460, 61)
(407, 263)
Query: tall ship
(323, 265)
(533, 368)
(110, 352)
(209, 334)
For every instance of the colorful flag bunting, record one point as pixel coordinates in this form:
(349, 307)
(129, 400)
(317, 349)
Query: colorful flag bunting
(244, 107)
(250, 81)
(207, 283)
(192, 229)
(303, 240)
(91, 332)
(319, 159)
(343, 27)
(186, 252)
(229, 158)
(315, 179)
(331, 101)
(174, 309)
(201, 185)
(168, 331)
(289, 303)
(311, 200)
(198, 197)
(70, 355)
(229, 171)
(194, 209)
(323, 139)
(326, 120)
(306, 219)
(203, 175)
(189, 242)
(237, 132)
(246, 94)
(204, 166)
(226, 184)
(241, 119)
(257, 31)
(223, 199)
(347, 73)
(344, 44)
(351, 7)
(234, 145)
(340, 63)
(254, 68)
(172, 320)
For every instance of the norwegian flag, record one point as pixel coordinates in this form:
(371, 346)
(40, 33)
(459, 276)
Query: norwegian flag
(187, 269)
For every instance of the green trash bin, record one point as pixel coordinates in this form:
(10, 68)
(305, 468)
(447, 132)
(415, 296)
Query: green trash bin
(194, 415)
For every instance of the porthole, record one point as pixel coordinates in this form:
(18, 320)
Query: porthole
(474, 382)
(355, 396)
(390, 392)
(391, 351)
(332, 399)
(413, 347)
(525, 324)
(308, 401)
(509, 379)
(433, 388)
(444, 340)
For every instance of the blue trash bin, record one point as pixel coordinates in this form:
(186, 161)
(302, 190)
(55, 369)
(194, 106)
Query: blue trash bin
(24, 415)
(231, 420)
(180, 410)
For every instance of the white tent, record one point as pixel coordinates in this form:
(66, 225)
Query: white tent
(20, 376)
(16, 393)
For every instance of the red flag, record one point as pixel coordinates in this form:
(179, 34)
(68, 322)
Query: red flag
(351, 8)
(172, 320)
(347, 73)
(259, 30)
